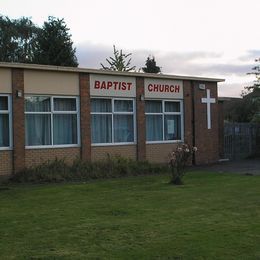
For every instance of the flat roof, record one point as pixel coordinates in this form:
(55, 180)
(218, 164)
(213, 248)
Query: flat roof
(104, 72)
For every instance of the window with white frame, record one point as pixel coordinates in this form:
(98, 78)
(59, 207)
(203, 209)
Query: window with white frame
(112, 120)
(51, 121)
(163, 120)
(5, 121)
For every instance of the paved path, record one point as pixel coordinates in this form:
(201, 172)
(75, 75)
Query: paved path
(248, 166)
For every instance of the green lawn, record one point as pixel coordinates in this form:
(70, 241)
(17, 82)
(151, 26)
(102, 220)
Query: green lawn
(210, 217)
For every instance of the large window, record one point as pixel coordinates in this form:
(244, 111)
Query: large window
(112, 121)
(51, 121)
(5, 121)
(163, 120)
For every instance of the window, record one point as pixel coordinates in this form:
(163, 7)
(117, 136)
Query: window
(163, 120)
(112, 121)
(5, 121)
(51, 121)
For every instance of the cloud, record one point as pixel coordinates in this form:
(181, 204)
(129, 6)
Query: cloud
(209, 64)
(250, 56)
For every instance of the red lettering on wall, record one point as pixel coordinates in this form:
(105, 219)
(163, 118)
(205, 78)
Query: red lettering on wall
(129, 85)
(150, 87)
(109, 84)
(97, 84)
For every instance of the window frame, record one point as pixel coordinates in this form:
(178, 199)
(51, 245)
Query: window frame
(9, 113)
(52, 112)
(163, 114)
(112, 113)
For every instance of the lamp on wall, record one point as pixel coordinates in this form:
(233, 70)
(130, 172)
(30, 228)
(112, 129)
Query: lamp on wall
(142, 97)
(19, 93)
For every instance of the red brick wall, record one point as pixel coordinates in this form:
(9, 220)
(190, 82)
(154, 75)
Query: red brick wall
(140, 120)
(85, 117)
(221, 129)
(159, 153)
(187, 103)
(6, 162)
(18, 120)
(207, 140)
(34, 157)
(101, 152)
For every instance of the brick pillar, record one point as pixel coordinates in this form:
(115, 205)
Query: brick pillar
(18, 120)
(188, 118)
(140, 120)
(221, 129)
(85, 117)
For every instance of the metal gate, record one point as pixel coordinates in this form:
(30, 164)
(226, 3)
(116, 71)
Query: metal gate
(241, 140)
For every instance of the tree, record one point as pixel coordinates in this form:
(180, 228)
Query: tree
(244, 110)
(119, 62)
(256, 72)
(151, 66)
(18, 39)
(54, 44)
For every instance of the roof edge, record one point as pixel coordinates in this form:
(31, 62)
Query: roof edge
(105, 72)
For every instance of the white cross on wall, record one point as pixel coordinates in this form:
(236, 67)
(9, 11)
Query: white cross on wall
(208, 101)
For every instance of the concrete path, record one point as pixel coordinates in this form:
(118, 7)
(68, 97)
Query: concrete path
(247, 166)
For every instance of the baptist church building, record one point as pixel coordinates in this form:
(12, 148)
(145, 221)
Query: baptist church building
(49, 112)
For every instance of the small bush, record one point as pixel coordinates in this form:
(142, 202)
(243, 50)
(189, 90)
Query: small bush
(59, 171)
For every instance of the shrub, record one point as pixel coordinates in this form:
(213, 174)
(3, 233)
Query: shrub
(178, 161)
(113, 166)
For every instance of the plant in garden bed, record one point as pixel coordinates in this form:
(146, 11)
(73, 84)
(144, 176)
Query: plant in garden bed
(59, 170)
(178, 161)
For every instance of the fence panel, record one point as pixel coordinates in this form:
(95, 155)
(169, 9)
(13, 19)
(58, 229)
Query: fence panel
(241, 140)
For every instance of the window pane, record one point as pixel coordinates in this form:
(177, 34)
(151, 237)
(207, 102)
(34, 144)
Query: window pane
(37, 104)
(123, 128)
(65, 129)
(65, 104)
(101, 128)
(3, 103)
(154, 128)
(38, 129)
(172, 127)
(172, 106)
(153, 106)
(4, 130)
(123, 106)
(101, 105)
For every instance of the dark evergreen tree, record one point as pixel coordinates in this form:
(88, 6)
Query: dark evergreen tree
(18, 40)
(151, 66)
(54, 44)
(119, 62)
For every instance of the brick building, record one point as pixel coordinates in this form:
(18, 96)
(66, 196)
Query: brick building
(63, 112)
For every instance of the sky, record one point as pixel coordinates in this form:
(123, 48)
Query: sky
(206, 38)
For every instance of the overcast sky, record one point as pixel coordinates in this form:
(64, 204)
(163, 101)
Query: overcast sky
(203, 37)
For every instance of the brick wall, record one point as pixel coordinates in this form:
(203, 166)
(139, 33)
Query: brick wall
(85, 117)
(100, 152)
(159, 153)
(18, 120)
(140, 120)
(188, 113)
(6, 162)
(35, 157)
(207, 140)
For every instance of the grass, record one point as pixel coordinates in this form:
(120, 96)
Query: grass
(210, 217)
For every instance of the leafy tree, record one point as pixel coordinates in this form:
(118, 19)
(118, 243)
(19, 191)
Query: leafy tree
(151, 66)
(255, 71)
(119, 62)
(18, 39)
(246, 109)
(54, 44)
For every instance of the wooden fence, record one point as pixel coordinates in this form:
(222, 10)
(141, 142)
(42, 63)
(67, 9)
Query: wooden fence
(241, 140)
